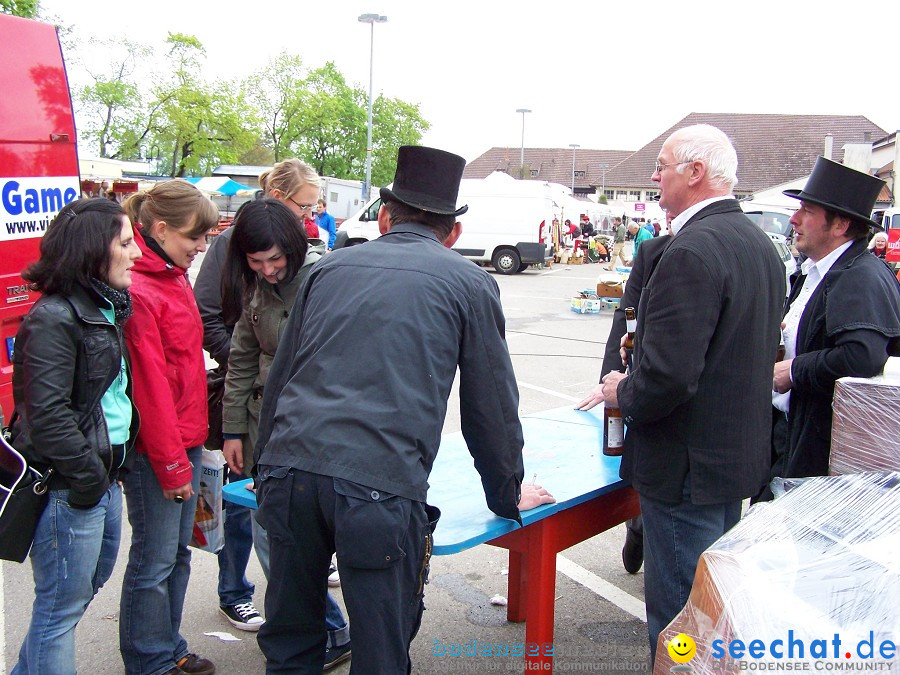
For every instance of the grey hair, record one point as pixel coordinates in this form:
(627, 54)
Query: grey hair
(710, 145)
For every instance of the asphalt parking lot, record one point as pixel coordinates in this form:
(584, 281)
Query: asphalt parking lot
(599, 623)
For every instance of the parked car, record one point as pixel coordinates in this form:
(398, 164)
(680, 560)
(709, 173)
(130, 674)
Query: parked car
(784, 252)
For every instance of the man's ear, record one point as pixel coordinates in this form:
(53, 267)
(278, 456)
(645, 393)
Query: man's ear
(384, 220)
(454, 235)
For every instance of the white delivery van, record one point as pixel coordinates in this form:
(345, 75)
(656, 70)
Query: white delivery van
(506, 224)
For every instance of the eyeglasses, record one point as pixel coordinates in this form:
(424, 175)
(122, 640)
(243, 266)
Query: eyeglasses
(302, 207)
(660, 166)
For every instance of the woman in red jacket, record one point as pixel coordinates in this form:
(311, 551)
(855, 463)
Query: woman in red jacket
(165, 338)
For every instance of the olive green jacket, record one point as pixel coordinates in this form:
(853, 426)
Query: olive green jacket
(253, 346)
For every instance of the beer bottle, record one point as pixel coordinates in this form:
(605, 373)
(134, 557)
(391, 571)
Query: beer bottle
(613, 425)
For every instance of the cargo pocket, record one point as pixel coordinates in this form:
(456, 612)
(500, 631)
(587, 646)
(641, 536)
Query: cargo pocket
(274, 487)
(371, 526)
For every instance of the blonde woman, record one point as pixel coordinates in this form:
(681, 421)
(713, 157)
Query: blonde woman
(296, 185)
(165, 339)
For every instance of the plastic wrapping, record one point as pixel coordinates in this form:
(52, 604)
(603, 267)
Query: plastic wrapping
(820, 563)
(865, 432)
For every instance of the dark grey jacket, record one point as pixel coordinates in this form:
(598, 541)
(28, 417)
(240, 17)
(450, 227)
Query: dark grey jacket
(359, 386)
(699, 403)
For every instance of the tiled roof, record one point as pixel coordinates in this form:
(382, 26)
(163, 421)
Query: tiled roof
(772, 149)
(549, 164)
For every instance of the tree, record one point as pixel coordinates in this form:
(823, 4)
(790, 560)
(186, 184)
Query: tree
(117, 121)
(199, 126)
(277, 92)
(27, 9)
(394, 123)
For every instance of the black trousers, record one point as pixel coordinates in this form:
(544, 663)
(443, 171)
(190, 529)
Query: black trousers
(383, 544)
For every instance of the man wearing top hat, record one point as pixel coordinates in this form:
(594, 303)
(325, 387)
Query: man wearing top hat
(352, 417)
(842, 317)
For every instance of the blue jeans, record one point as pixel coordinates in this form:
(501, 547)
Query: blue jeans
(233, 585)
(159, 566)
(73, 555)
(674, 537)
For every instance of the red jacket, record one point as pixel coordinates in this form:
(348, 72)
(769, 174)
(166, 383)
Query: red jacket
(165, 338)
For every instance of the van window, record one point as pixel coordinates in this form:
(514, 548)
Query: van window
(371, 213)
(770, 221)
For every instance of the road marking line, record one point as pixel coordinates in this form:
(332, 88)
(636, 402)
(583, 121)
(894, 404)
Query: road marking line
(614, 594)
(534, 387)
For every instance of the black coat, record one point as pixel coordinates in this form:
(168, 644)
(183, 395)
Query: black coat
(850, 325)
(644, 263)
(67, 355)
(698, 404)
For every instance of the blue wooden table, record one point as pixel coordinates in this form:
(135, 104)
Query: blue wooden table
(564, 447)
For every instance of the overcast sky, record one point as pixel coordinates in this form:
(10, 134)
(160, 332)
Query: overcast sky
(606, 75)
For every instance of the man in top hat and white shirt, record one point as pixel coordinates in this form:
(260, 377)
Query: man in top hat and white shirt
(352, 417)
(842, 315)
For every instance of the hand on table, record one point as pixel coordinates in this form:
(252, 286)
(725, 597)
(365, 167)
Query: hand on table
(533, 496)
(595, 397)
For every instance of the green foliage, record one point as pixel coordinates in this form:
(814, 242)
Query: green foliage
(188, 125)
(27, 9)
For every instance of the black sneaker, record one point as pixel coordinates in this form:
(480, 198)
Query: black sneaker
(195, 665)
(633, 550)
(242, 616)
(334, 579)
(336, 655)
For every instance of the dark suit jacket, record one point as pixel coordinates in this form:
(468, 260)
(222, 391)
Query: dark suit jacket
(644, 262)
(699, 403)
(849, 327)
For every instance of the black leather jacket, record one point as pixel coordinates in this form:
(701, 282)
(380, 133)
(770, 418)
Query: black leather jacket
(66, 356)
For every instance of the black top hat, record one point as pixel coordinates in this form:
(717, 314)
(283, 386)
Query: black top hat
(427, 179)
(842, 189)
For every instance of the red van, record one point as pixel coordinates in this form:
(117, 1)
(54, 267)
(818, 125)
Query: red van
(38, 165)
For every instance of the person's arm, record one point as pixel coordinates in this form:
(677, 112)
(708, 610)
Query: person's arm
(856, 353)
(208, 292)
(243, 369)
(48, 360)
(489, 402)
(332, 231)
(159, 436)
(674, 341)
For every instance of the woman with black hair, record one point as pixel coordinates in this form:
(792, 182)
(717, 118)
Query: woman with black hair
(74, 414)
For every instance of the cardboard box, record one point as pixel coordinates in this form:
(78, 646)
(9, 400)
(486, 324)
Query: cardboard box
(865, 430)
(610, 285)
(818, 561)
(581, 305)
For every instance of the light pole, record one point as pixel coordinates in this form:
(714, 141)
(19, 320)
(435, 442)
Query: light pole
(370, 19)
(522, 153)
(573, 146)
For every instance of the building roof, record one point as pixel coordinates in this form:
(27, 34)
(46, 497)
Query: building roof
(239, 170)
(771, 149)
(553, 165)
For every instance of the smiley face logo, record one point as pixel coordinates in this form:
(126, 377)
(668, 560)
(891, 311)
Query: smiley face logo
(681, 648)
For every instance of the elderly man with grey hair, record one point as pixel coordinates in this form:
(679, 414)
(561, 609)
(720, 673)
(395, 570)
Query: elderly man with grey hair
(697, 401)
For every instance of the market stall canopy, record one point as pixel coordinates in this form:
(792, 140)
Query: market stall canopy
(221, 185)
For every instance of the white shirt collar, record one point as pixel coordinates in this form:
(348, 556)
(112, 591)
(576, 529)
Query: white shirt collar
(679, 221)
(825, 263)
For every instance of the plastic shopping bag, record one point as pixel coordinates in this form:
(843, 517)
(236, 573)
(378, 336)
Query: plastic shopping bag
(209, 519)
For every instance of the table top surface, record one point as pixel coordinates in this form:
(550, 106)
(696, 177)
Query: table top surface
(564, 447)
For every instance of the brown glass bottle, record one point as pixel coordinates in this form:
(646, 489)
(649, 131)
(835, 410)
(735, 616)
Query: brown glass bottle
(613, 425)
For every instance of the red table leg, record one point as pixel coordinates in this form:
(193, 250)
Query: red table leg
(517, 587)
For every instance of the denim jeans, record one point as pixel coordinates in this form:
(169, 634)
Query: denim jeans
(159, 566)
(233, 585)
(674, 537)
(73, 555)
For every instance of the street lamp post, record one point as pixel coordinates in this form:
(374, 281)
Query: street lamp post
(370, 19)
(573, 146)
(603, 168)
(522, 152)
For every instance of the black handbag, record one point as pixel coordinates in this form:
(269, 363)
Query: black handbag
(23, 491)
(215, 392)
